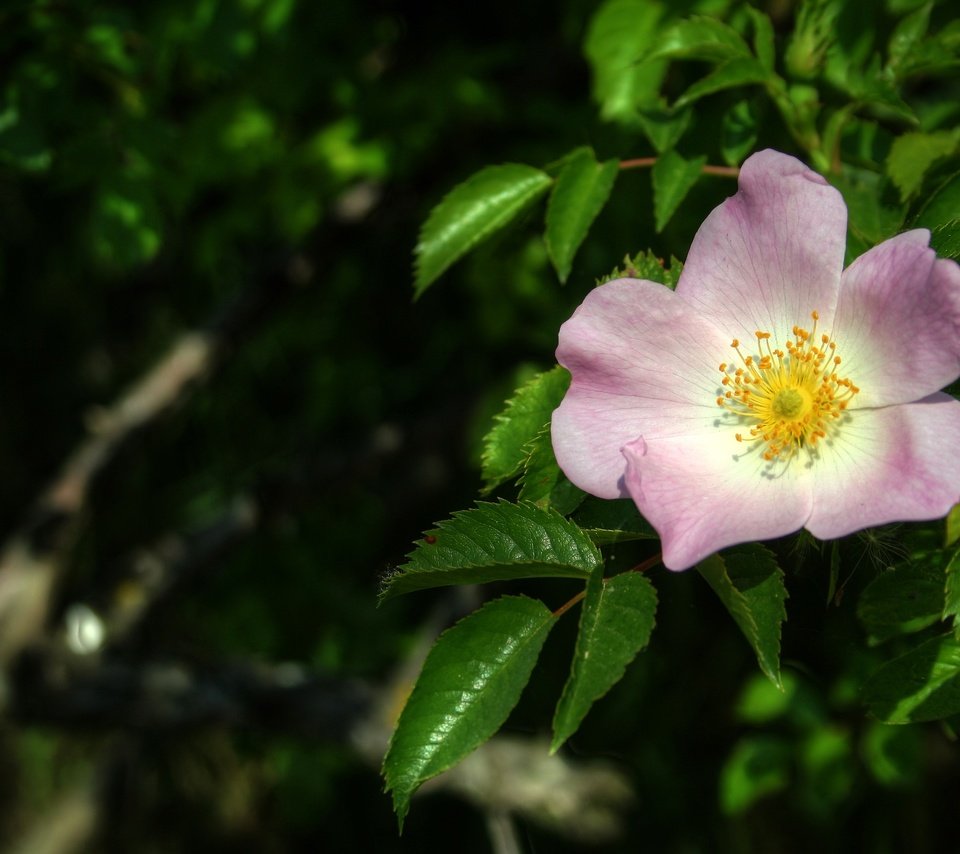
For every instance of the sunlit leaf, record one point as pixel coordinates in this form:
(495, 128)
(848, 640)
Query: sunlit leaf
(471, 680)
(758, 766)
(471, 212)
(646, 265)
(615, 624)
(700, 37)
(495, 542)
(921, 685)
(526, 414)
(750, 585)
(579, 194)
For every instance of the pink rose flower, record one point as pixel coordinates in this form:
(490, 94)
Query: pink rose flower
(773, 390)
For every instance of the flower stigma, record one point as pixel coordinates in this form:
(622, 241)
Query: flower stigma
(791, 397)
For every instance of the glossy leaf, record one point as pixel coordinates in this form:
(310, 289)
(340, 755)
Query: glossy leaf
(700, 37)
(471, 680)
(579, 194)
(471, 212)
(607, 522)
(542, 482)
(904, 599)
(921, 685)
(946, 239)
(673, 178)
(526, 414)
(615, 624)
(731, 74)
(495, 542)
(750, 585)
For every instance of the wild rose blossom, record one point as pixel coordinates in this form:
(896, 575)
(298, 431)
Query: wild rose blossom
(773, 390)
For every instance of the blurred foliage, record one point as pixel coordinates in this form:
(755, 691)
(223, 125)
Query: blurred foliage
(160, 162)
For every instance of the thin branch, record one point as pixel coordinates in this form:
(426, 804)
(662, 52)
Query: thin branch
(647, 162)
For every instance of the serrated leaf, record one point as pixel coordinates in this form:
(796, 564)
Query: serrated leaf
(945, 239)
(912, 155)
(951, 593)
(579, 194)
(646, 265)
(620, 33)
(495, 542)
(733, 73)
(904, 599)
(750, 585)
(921, 685)
(607, 522)
(471, 212)
(542, 482)
(525, 415)
(615, 624)
(471, 680)
(700, 37)
(673, 178)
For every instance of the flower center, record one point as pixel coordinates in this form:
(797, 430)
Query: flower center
(791, 396)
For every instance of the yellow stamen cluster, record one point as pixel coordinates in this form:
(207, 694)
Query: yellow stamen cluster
(790, 396)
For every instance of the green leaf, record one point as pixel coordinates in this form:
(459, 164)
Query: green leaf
(729, 75)
(921, 685)
(646, 265)
(759, 765)
(750, 585)
(607, 522)
(664, 128)
(579, 194)
(906, 38)
(471, 212)
(951, 605)
(945, 239)
(699, 37)
(505, 446)
(615, 624)
(673, 178)
(738, 135)
(471, 680)
(763, 43)
(906, 598)
(495, 542)
(912, 154)
(542, 482)
(952, 534)
(942, 206)
(620, 33)
(874, 208)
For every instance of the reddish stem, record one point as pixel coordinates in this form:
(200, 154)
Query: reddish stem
(640, 567)
(645, 162)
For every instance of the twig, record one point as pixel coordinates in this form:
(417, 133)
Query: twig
(647, 162)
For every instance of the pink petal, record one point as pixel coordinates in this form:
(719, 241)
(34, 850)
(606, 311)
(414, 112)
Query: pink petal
(899, 463)
(642, 363)
(897, 325)
(701, 496)
(770, 255)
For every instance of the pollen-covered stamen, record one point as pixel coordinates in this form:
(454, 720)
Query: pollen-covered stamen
(790, 396)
